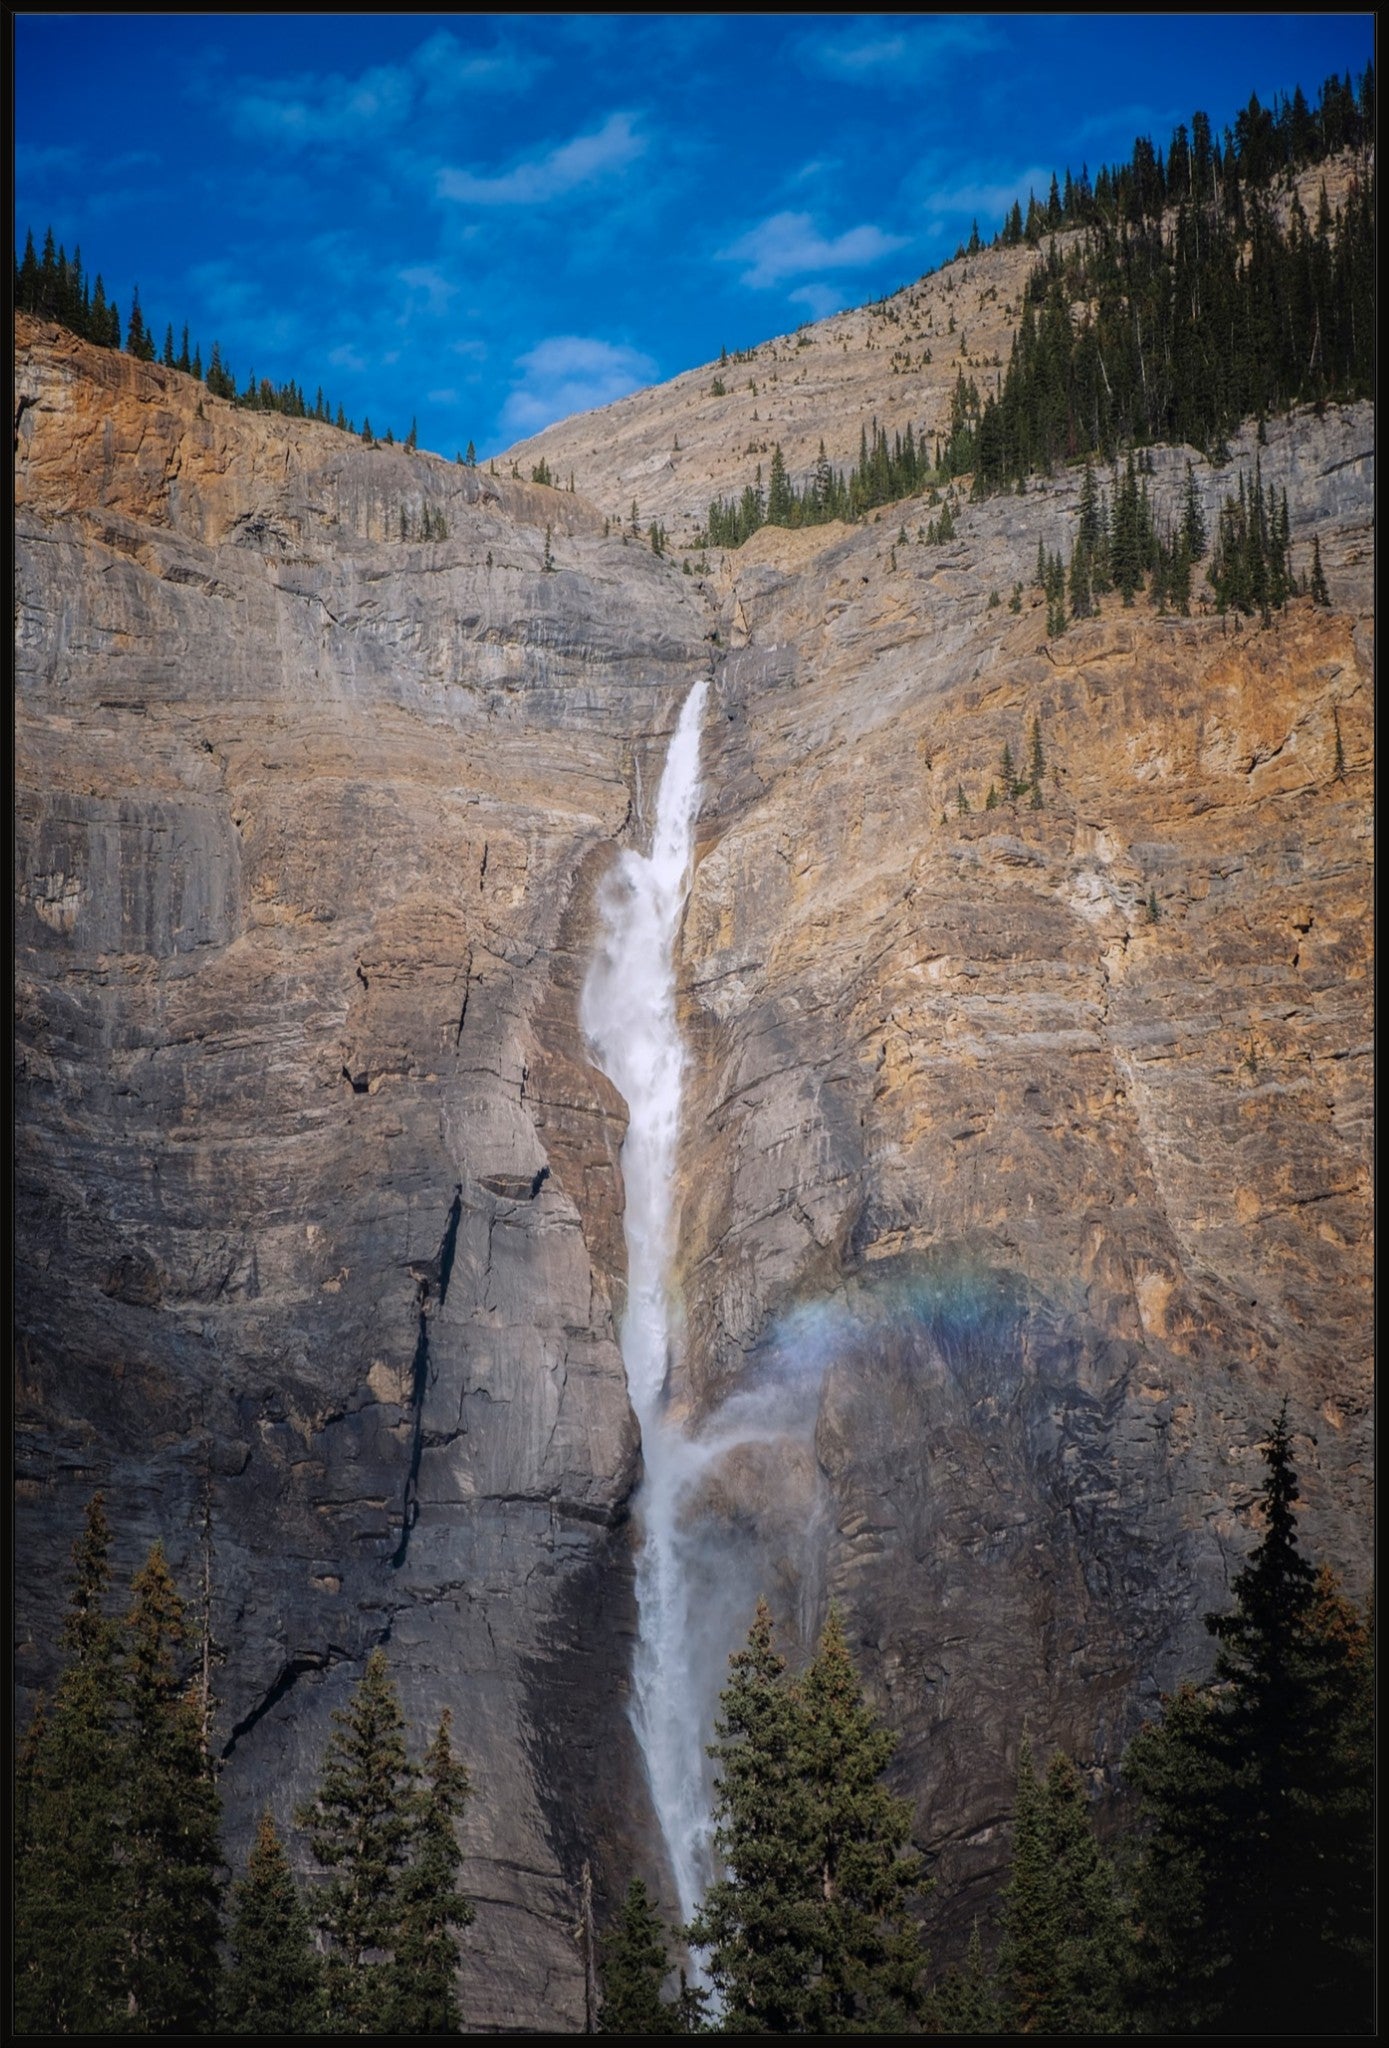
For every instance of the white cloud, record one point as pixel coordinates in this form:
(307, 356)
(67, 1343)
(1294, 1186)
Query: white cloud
(536, 179)
(447, 69)
(788, 245)
(569, 373)
(436, 288)
(324, 108)
(298, 112)
(989, 200)
(819, 300)
(892, 53)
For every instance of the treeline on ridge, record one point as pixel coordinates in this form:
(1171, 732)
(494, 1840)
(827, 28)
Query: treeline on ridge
(54, 286)
(1184, 306)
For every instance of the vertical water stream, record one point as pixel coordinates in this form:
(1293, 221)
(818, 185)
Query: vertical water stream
(629, 1016)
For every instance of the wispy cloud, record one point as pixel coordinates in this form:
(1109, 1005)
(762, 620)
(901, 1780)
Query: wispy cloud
(893, 53)
(431, 286)
(569, 373)
(295, 113)
(789, 245)
(557, 171)
(819, 300)
(447, 70)
(988, 198)
(327, 109)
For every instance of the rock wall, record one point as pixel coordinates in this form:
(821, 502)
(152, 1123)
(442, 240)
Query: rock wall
(319, 1208)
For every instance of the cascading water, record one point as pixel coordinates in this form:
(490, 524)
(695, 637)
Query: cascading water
(628, 1014)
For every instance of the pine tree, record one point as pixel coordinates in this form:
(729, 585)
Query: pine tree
(808, 1929)
(422, 1998)
(635, 1967)
(1062, 1961)
(274, 1984)
(1320, 594)
(68, 1948)
(171, 1862)
(757, 1921)
(1255, 1895)
(870, 1959)
(358, 1824)
(1037, 767)
(966, 2000)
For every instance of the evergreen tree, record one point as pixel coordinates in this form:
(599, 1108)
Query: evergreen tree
(1062, 1962)
(757, 1921)
(1255, 1895)
(1037, 766)
(274, 1984)
(68, 1948)
(966, 2000)
(1320, 594)
(171, 1879)
(870, 1961)
(359, 1824)
(423, 2000)
(635, 1967)
(808, 1928)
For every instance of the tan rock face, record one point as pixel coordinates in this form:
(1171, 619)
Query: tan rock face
(320, 1202)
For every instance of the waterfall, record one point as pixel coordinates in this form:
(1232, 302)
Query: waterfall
(628, 1014)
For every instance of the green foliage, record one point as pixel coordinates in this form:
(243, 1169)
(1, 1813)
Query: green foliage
(807, 1930)
(118, 1879)
(170, 1858)
(1255, 1892)
(68, 1948)
(422, 1998)
(1189, 302)
(1251, 568)
(274, 1982)
(1320, 594)
(358, 1824)
(1062, 1961)
(635, 1966)
(966, 2001)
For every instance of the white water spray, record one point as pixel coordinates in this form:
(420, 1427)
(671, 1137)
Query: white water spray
(628, 1014)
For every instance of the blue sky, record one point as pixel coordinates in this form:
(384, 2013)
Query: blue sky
(491, 221)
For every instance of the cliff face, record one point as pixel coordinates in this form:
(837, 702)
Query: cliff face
(319, 1220)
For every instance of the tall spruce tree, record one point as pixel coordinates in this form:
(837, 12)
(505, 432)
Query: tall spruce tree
(69, 1951)
(358, 1824)
(1063, 1959)
(274, 1983)
(757, 1921)
(1255, 1894)
(423, 1999)
(636, 1963)
(867, 1974)
(808, 1929)
(171, 1864)
(966, 2000)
